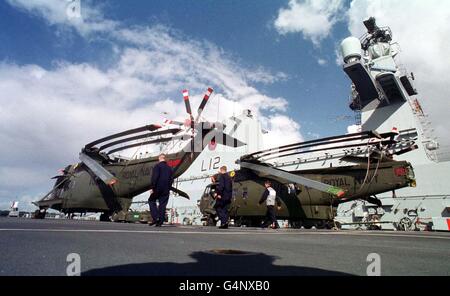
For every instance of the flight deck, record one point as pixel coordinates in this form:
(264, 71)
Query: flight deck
(42, 247)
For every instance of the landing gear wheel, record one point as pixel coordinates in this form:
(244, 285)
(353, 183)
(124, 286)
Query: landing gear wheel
(308, 225)
(321, 224)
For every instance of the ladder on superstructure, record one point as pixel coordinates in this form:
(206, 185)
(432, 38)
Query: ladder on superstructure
(426, 130)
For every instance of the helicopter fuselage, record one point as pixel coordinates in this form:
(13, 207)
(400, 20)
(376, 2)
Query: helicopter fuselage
(79, 190)
(300, 204)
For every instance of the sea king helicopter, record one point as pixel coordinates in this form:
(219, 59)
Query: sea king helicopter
(104, 183)
(309, 197)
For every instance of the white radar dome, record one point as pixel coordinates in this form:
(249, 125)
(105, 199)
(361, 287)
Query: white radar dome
(351, 49)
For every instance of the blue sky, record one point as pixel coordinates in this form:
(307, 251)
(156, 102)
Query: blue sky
(65, 82)
(243, 29)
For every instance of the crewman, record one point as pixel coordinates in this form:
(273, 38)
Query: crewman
(223, 197)
(270, 197)
(162, 179)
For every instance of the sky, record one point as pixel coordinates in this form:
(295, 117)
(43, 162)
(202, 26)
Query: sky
(66, 79)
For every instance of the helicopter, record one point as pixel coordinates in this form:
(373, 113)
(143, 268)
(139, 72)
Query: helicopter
(309, 197)
(102, 182)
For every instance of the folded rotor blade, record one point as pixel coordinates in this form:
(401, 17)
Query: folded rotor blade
(150, 128)
(187, 103)
(203, 103)
(98, 170)
(142, 143)
(142, 136)
(270, 171)
(354, 159)
(406, 150)
(174, 122)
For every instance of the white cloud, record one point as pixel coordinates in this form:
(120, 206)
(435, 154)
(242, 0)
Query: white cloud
(47, 115)
(283, 130)
(79, 14)
(313, 18)
(261, 75)
(351, 129)
(422, 29)
(322, 62)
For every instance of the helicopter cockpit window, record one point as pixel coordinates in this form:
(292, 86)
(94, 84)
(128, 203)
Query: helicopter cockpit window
(212, 190)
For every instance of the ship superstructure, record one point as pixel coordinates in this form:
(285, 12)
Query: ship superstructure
(384, 94)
